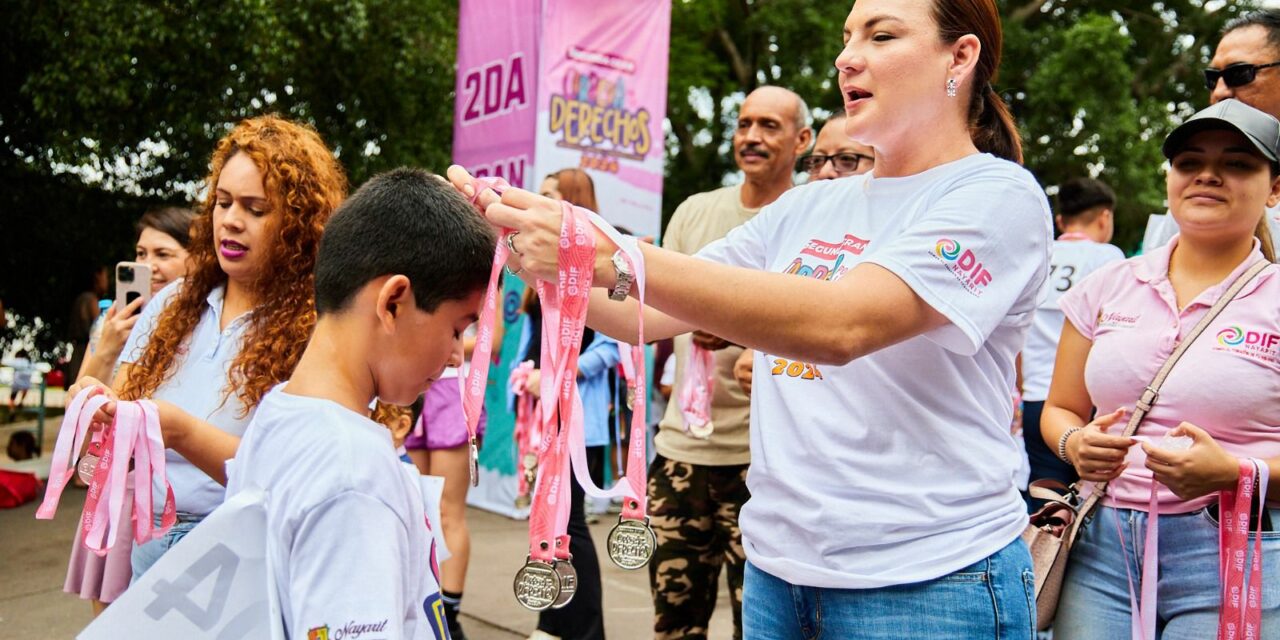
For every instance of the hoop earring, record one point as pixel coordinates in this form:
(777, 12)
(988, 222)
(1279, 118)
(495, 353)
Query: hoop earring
(951, 87)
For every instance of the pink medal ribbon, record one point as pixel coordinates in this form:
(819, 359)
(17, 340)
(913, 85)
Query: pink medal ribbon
(527, 432)
(481, 357)
(133, 435)
(1241, 613)
(695, 392)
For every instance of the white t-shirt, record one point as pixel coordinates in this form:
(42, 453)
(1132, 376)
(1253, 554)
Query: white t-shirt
(896, 467)
(1162, 227)
(1072, 260)
(348, 543)
(198, 386)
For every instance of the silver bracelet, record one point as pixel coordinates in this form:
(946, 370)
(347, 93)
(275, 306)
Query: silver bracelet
(1062, 443)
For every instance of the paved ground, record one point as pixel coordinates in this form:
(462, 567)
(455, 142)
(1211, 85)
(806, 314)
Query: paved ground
(33, 560)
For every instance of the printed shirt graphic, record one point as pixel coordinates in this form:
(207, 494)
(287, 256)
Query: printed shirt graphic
(896, 467)
(1226, 383)
(1071, 262)
(352, 551)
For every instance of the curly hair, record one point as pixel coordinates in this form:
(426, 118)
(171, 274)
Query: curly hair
(304, 182)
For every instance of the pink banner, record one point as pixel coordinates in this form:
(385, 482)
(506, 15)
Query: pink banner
(602, 98)
(493, 115)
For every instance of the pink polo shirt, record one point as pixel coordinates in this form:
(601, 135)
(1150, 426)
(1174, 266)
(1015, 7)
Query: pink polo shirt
(1227, 383)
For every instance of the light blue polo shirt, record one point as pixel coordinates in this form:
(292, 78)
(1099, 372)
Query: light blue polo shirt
(198, 385)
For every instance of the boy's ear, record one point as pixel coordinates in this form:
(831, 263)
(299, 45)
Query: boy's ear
(395, 293)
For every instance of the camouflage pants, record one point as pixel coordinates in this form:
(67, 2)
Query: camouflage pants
(694, 512)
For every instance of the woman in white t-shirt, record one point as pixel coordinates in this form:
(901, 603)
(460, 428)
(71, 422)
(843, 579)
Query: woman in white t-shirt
(881, 501)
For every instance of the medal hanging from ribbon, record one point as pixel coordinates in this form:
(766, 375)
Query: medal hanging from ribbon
(528, 431)
(695, 392)
(134, 435)
(547, 579)
(1241, 613)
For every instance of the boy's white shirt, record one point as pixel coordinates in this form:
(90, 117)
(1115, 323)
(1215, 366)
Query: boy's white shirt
(349, 543)
(238, 571)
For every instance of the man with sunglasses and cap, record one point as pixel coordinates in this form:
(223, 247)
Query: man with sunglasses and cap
(1245, 66)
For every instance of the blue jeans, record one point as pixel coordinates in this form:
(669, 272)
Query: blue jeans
(991, 599)
(145, 555)
(1095, 594)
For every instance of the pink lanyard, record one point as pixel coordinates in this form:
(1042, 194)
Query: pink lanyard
(695, 392)
(1241, 614)
(527, 432)
(133, 435)
(1073, 235)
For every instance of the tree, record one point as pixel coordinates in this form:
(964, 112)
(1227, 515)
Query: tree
(1094, 84)
(111, 106)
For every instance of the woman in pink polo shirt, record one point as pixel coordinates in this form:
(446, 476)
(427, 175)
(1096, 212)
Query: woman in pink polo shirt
(1123, 322)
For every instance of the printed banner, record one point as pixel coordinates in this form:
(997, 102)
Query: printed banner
(602, 98)
(493, 115)
(545, 85)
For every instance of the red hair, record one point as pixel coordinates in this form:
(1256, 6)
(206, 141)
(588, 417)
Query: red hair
(305, 183)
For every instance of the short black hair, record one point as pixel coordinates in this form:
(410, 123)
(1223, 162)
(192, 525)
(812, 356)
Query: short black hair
(1081, 195)
(409, 222)
(1268, 19)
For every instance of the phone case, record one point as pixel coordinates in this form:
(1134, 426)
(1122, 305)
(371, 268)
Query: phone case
(133, 281)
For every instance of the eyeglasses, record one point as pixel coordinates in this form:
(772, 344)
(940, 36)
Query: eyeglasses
(1235, 75)
(843, 162)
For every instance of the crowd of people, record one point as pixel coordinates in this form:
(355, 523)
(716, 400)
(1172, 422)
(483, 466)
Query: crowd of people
(874, 424)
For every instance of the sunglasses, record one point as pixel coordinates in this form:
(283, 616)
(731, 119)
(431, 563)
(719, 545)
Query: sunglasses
(1235, 75)
(843, 162)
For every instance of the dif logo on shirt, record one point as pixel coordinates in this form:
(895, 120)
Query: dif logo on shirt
(1254, 344)
(963, 264)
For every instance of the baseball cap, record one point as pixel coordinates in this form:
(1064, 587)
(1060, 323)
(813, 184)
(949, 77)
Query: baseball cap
(1259, 127)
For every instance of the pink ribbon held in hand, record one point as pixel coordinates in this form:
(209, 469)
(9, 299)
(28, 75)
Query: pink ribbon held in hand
(1241, 613)
(695, 392)
(134, 435)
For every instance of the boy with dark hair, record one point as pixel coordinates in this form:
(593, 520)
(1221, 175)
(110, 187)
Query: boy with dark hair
(401, 271)
(1086, 220)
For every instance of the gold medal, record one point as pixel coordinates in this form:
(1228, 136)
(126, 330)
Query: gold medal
(522, 501)
(631, 398)
(537, 585)
(704, 431)
(568, 582)
(631, 543)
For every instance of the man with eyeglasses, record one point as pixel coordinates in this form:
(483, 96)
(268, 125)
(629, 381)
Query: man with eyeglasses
(1246, 66)
(835, 154)
(697, 485)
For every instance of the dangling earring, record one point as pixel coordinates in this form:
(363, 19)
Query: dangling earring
(951, 87)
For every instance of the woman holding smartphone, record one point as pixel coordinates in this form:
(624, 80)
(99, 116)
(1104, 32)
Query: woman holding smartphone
(211, 345)
(163, 237)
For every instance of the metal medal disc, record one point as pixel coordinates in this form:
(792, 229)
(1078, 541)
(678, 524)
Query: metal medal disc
(537, 585)
(523, 501)
(568, 582)
(704, 431)
(631, 543)
(474, 463)
(87, 465)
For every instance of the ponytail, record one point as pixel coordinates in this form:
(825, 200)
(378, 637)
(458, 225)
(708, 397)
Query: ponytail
(991, 124)
(993, 129)
(1263, 234)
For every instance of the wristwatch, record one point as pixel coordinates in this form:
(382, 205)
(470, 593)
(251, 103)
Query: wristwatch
(623, 276)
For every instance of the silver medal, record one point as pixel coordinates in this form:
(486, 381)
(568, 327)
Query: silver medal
(568, 582)
(631, 543)
(474, 462)
(87, 465)
(537, 585)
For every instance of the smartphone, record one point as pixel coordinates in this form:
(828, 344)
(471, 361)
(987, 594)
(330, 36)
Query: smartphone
(133, 281)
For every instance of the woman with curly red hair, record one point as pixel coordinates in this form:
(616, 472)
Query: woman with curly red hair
(211, 345)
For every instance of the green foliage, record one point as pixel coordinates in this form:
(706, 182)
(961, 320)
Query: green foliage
(131, 97)
(1094, 84)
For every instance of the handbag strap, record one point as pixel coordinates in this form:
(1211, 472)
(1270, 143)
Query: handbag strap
(1152, 392)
